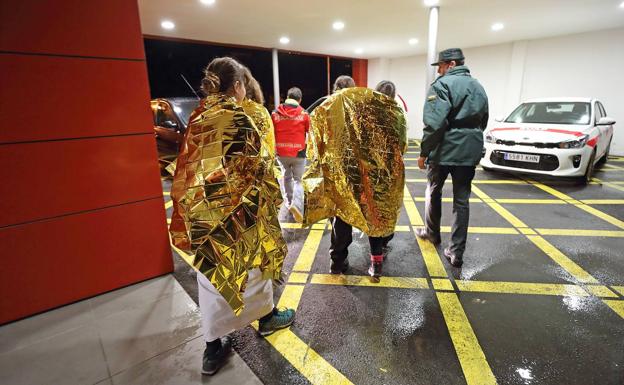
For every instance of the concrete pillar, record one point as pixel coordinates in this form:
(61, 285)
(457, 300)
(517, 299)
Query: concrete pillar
(276, 89)
(432, 44)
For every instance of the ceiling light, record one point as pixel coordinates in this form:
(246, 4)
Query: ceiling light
(167, 24)
(413, 41)
(359, 51)
(338, 25)
(207, 2)
(497, 26)
(431, 3)
(622, 4)
(284, 40)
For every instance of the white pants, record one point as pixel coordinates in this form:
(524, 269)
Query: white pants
(218, 319)
(293, 169)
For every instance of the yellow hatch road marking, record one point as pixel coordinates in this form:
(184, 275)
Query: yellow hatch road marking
(604, 201)
(360, 280)
(434, 265)
(600, 291)
(483, 230)
(289, 225)
(521, 288)
(308, 362)
(471, 357)
(498, 208)
(168, 204)
(619, 289)
(616, 305)
(291, 296)
(566, 263)
(295, 277)
(442, 284)
(532, 201)
(410, 207)
(309, 249)
(447, 200)
(582, 233)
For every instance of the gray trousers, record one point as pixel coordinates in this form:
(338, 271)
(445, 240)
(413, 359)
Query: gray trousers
(293, 169)
(462, 178)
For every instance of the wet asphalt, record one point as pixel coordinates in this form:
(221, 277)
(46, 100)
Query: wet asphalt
(380, 336)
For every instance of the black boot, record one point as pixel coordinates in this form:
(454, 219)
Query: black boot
(215, 355)
(422, 233)
(452, 258)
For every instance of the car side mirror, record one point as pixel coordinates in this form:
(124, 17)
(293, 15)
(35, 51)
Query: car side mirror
(169, 124)
(499, 119)
(606, 121)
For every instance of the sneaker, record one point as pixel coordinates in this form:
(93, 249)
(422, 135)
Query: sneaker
(452, 258)
(296, 213)
(339, 268)
(422, 233)
(375, 267)
(280, 320)
(213, 362)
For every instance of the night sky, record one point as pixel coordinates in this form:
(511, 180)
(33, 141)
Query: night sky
(167, 60)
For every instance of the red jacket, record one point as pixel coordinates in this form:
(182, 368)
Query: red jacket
(291, 124)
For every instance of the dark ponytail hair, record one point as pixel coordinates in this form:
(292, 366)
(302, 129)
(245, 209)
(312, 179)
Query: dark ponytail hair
(252, 87)
(221, 74)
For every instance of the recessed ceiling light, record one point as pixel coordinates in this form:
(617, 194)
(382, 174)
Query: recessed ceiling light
(359, 51)
(497, 26)
(284, 40)
(431, 3)
(622, 4)
(207, 2)
(413, 41)
(338, 25)
(167, 24)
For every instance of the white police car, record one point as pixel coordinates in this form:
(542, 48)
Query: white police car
(563, 137)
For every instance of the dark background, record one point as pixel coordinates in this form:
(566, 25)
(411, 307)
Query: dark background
(168, 59)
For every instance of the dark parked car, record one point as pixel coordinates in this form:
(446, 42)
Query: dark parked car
(171, 117)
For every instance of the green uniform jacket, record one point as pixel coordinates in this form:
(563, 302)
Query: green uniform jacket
(455, 115)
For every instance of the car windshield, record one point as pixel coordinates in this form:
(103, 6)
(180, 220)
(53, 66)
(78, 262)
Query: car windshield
(551, 112)
(184, 108)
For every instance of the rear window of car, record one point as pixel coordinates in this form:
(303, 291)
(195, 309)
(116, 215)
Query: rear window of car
(551, 113)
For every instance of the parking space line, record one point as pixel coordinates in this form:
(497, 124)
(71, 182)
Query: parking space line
(565, 290)
(308, 362)
(615, 305)
(532, 201)
(471, 357)
(582, 233)
(295, 277)
(562, 260)
(604, 201)
(604, 216)
(364, 280)
(308, 251)
(291, 295)
(483, 230)
(411, 209)
(619, 289)
(402, 229)
(442, 284)
(447, 200)
(434, 265)
(600, 291)
(474, 181)
(515, 221)
(290, 225)
(591, 210)
(168, 205)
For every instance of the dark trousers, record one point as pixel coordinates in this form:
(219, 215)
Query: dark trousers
(342, 236)
(462, 178)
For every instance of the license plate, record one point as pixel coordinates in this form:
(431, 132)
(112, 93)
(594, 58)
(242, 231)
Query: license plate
(521, 157)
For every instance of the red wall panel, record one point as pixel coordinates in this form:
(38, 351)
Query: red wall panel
(108, 28)
(57, 97)
(46, 179)
(360, 72)
(53, 262)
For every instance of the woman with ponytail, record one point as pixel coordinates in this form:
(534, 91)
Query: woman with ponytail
(225, 216)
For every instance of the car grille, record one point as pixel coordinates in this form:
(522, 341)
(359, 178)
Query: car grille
(546, 163)
(529, 144)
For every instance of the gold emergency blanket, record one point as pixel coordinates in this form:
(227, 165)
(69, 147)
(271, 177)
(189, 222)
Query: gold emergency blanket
(224, 199)
(355, 152)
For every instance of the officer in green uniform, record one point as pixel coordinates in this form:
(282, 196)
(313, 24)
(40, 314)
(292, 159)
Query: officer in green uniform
(455, 115)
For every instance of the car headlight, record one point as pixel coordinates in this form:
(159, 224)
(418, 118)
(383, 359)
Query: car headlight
(577, 143)
(489, 138)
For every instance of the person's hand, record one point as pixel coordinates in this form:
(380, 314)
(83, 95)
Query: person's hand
(421, 162)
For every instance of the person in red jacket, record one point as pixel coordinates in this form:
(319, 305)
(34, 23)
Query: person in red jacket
(292, 124)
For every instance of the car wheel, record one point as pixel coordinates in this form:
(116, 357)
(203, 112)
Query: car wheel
(589, 171)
